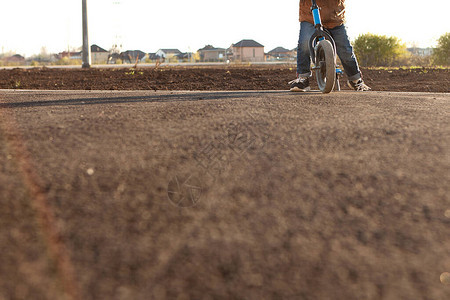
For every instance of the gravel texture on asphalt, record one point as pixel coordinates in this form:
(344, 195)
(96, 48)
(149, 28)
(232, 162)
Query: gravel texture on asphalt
(224, 195)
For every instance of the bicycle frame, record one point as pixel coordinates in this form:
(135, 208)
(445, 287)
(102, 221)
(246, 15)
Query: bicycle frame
(320, 33)
(315, 13)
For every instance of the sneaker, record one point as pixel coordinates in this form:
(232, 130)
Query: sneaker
(301, 84)
(358, 85)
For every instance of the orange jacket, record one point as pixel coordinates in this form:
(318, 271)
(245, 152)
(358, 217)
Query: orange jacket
(332, 12)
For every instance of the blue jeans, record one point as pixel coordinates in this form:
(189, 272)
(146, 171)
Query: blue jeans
(343, 48)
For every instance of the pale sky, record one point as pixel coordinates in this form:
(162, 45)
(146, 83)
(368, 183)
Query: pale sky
(148, 25)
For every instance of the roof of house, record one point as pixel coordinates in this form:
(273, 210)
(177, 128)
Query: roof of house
(247, 43)
(172, 51)
(95, 48)
(132, 54)
(15, 57)
(69, 54)
(211, 48)
(279, 50)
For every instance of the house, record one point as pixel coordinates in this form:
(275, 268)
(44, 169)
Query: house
(128, 57)
(132, 56)
(167, 54)
(98, 55)
(280, 54)
(212, 54)
(15, 59)
(248, 50)
(153, 57)
(69, 55)
(184, 57)
(113, 58)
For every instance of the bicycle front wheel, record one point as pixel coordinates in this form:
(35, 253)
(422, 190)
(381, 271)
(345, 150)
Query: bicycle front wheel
(326, 63)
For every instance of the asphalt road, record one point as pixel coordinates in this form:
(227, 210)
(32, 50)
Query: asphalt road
(224, 195)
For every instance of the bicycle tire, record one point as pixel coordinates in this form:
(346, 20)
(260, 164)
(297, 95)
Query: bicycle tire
(326, 60)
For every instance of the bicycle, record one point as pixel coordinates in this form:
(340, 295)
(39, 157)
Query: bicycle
(322, 50)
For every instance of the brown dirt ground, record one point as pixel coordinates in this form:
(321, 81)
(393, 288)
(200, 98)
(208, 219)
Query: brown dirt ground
(210, 78)
(302, 195)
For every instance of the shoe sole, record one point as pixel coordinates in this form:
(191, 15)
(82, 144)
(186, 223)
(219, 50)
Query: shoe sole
(296, 89)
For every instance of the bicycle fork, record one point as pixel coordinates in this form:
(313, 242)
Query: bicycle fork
(320, 34)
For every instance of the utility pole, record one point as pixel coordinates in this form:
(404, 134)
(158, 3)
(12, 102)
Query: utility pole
(86, 49)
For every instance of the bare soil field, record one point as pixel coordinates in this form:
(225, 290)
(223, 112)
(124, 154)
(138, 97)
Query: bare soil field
(227, 77)
(222, 194)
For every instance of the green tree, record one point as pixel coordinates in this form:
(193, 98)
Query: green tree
(441, 54)
(379, 50)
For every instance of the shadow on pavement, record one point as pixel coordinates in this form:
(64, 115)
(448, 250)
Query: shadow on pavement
(173, 97)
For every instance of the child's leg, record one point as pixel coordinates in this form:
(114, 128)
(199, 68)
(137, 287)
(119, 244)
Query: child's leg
(303, 57)
(345, 52)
